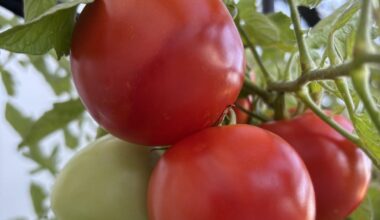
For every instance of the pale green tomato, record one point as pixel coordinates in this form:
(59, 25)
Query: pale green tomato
(107, 180)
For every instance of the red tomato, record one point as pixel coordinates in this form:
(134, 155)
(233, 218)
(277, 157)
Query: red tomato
(339, 170)
(238, 172)
(242, 117)
(154, 71)
(246, 103)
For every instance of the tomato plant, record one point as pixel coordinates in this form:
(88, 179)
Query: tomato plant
(106, 180)
(339, 170)
(232, 172)
(154, 72)
(150, 88)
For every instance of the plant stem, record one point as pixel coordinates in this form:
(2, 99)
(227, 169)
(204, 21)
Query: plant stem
(255, 53)
(360, 75)
(319, 74)
(363, 38)
(307, 62)
(279, 110)
(370, 57)
(305, 97)
(253, 89)
(341, 84)
(360, 80)
(260, 117)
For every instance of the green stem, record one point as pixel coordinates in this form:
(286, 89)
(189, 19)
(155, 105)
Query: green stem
(253, 89)
(255, 53)
(279, 110)
(341, 84)
(370, 57)
(231, 116)
(260, 117)
(319, 74)
(305, 97)
(360, 80)
(307, 62)
(363, 38)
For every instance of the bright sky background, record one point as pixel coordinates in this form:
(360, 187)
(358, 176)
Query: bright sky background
(34, 96)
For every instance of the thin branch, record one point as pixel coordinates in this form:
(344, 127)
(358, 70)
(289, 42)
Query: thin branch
(260, 117)
(320, 74)
(255, 53)
(370, 57)
(251, 88)
(341, 84)
(305, 97)
(307, 62)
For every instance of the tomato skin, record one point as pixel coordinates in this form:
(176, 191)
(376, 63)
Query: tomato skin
(228, 173)
(242, 117)
(339, 170)
(152, 72)
(108, 179)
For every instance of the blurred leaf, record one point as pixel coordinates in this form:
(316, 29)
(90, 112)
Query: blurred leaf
(59, 84)
(44, 162)
(33, 8)
(17, 120)
(367, 132)
(57, 118)
(39, 196)
(51, 30)
(246, 8)
(70, 140)
(8, 81)
(287, 37)
(370, 208)
(270, 30)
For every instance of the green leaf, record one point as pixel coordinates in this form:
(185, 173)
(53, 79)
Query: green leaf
(51, 30)
(270, 30)
(368, 134)
(33, 8)
(8, 81)
(17, 120)
(38, 196)
(70, 140)
(370, 208)
(246, 8)
(55, 119)
(287, 38)
(309, 3)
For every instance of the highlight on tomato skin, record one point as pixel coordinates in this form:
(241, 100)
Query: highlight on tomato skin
(231, 172)
(155, 71)
(340, 171)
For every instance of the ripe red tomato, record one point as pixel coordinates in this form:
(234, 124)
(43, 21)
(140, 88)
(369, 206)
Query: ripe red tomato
(154, 71)
(238, 172)
(339, 170)
(242, 117)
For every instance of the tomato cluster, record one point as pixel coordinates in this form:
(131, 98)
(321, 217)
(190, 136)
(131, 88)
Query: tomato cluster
(163, 72)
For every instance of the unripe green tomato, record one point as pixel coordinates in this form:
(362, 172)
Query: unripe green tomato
(106, 180)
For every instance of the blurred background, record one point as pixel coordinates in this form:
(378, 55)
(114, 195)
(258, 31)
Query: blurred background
(33, 85)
